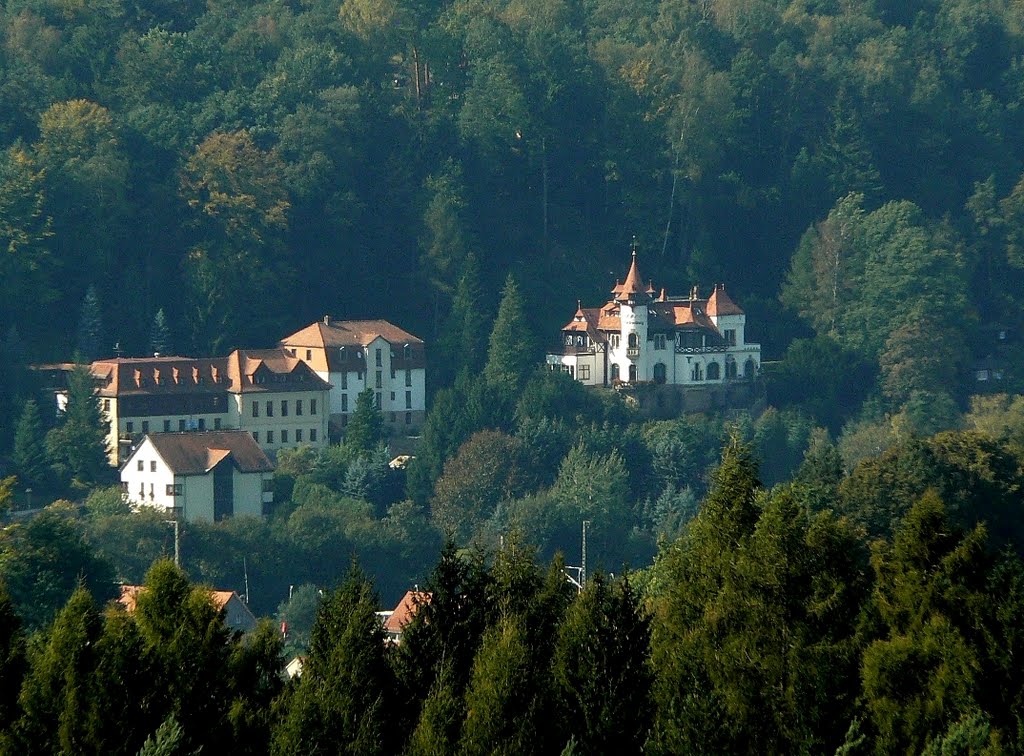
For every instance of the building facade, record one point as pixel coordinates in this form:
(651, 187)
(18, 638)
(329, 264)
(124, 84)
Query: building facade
(352, 355)
(277, 398)
(643, 337)
(192, 476)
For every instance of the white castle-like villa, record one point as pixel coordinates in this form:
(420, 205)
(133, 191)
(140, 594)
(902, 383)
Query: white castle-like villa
(639, 337)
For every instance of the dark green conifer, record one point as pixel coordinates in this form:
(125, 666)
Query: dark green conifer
(365, 429)
(510, 355)
(160, 334)
(90, 327)
(78, 446)
(31, 463)
(58, 696)
(343, 700)
(601, 670)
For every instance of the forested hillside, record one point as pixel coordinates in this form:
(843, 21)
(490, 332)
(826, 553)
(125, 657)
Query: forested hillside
(247, 167)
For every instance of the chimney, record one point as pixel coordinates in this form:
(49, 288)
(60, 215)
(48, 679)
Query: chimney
(327, 320)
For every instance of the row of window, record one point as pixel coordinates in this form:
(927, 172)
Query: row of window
(687, 339)
(182, 425)
(284, 408)
(377, 396)
(379, 378)
(300, 436)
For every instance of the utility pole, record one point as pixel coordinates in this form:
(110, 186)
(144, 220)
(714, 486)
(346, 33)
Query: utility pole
(583, 560)
(177, 542)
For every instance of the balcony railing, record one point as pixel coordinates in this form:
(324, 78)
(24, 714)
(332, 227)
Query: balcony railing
(632, 352)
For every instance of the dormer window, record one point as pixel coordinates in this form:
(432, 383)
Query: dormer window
(138, 378)
(195, 375)
(176, 376)
(216, 375)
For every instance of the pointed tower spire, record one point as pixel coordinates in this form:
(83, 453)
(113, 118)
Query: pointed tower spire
(632, 289)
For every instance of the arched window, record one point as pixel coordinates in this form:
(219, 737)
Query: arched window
(615, 371)
(730, 368)
(633, 341)
(659, 372)
(632, 373)
(713, 371)
(697, 373)
(748, 368)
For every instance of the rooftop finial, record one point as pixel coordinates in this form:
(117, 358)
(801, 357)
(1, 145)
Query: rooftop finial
(634, 245)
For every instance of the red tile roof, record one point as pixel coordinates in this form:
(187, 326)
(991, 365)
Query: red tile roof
(261, 370)
(210, 375)
(339, 333)
(632, 288)
(198, 452)
(406, 609)
(719, 303)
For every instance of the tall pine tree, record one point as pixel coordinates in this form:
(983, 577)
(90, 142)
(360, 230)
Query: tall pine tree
(510, 356)
(343, 700)
(90, 327)
(160, 334)
(78, 447)
(31, 463)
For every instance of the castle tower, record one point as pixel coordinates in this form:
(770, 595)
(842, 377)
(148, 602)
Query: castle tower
(633, 298)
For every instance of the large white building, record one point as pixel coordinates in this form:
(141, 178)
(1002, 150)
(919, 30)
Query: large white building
(640, 336)
(267, 392)
(352, 355)
(193, 476)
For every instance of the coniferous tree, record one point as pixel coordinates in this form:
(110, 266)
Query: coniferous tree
(440, 721)
(58, 696)
(160, 334)
(754, 572)
(365, 430)
(601, 669)
(168, 740)
(12, 661)
(463, 342)
(510, 354)
(188, 645)
(78, 447)
(30, 459)
(444, 633)
(90, 327)
(343, 700)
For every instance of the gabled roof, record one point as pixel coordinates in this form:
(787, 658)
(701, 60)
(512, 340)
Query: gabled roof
(208, 375)
(720, 303)
(271, 370)
(124, 376)
(405, 610)
(338, 333)
(242, 615)
(198, 452)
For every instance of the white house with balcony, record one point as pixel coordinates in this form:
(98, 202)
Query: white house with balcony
(643, 337)
(197, 475)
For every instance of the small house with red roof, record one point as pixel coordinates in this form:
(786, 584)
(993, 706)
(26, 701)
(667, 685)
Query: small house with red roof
(396, 620)
(645, 336)
(237, 616)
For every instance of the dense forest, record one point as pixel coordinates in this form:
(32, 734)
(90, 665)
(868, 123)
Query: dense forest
(869, 613)
(189, 177)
